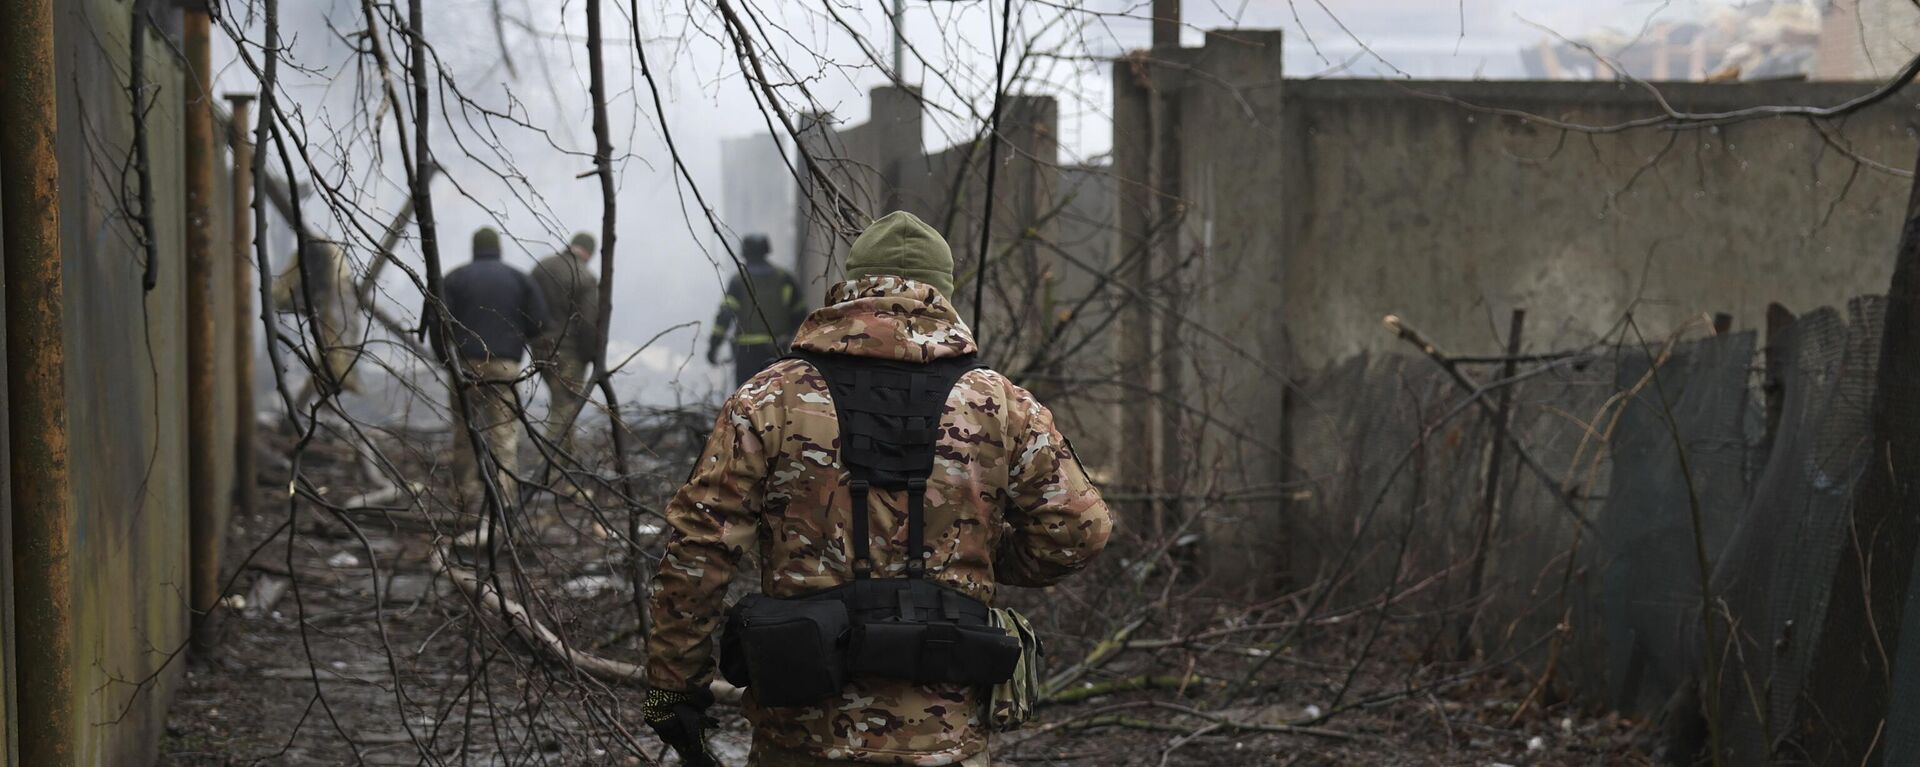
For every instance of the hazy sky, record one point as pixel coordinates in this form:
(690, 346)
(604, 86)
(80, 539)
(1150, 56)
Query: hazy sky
(524, 178)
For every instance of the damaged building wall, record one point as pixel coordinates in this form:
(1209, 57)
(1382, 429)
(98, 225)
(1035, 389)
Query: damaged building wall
(1866, 39)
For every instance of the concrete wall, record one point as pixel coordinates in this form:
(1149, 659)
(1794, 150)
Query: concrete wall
(1311, 209)
(1408, 205)
(126, 380)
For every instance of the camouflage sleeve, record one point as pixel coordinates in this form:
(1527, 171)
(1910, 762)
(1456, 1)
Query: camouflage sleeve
(712, 520)
(1058, 521)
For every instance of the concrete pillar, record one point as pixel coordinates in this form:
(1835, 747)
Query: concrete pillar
(1134, 458)
(894, 127)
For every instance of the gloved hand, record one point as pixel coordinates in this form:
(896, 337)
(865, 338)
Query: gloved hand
(681, 721)
(713, 354)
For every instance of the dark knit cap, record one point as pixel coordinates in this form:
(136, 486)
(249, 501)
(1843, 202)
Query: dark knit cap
(583, 241)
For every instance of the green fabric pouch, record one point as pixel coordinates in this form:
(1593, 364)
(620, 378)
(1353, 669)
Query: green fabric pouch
(1013, 701)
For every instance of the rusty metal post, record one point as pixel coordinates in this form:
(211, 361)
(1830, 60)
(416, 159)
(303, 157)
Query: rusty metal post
(36, 386)
(244, 470)
(202, 444)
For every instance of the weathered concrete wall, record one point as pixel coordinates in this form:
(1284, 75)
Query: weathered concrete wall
(126, 379)
(1311, 209)
(1404, 204)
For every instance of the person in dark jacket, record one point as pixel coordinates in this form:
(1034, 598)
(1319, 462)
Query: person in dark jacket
(494, 314)
(572, 333)
(762, 309)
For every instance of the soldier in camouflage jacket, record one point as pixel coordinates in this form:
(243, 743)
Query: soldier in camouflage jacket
(1008, 503)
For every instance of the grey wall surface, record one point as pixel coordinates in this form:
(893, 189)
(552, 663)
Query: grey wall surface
(126, 378)
(1397, 202)
(1317, 207)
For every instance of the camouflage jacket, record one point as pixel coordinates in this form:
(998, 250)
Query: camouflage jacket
(1007, 503)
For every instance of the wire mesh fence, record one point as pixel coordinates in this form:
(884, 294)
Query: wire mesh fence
(1633, 471)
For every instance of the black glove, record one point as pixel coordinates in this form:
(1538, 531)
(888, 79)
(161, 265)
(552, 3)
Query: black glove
(713, 353)
(681, 721)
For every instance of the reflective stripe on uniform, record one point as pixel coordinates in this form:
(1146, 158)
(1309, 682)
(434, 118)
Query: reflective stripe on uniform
(753, 339)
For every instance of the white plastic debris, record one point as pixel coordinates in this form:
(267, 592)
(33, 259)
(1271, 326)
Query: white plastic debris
(1312, 711)
(1566, 725)
(1537, 743)
(343, 559)
(234, 602)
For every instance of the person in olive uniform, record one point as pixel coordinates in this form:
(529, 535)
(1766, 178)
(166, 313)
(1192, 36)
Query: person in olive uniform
(762, 309)
(564, 351)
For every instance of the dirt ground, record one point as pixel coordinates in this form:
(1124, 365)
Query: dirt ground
(337, 671)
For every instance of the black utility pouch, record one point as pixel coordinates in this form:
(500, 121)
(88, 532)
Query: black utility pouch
(934, 653)
(792, 651)
(987, 655)
(887, 649)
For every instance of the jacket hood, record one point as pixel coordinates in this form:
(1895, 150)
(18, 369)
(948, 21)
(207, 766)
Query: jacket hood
(887, 317)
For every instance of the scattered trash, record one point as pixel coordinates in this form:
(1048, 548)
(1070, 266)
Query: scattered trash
(343, 559)
(234, 602)
(1537, 743)
(590, 586)
(266, 592)
(1312, 711)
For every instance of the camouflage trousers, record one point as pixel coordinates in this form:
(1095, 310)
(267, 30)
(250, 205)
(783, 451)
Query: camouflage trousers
(495, 408)
(764, 755)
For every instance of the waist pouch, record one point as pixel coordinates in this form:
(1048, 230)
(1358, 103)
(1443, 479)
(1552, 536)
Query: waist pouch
(800, 650)
(1014, 700)
(790, 651)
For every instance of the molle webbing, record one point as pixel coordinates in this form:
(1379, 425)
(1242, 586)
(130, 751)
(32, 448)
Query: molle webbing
(889, 415)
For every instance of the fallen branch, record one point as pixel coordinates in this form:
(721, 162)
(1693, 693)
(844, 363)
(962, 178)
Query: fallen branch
(1091, 690)
(1217, 723)
(550, 644)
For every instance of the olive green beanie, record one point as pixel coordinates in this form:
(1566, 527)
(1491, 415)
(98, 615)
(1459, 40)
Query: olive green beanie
(583, 241)
(486, 242)
(904, 246)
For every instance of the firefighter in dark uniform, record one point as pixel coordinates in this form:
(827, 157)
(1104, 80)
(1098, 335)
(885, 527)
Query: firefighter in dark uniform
(762, 309)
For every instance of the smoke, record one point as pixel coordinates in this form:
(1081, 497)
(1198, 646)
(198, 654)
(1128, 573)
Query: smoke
(512, 116)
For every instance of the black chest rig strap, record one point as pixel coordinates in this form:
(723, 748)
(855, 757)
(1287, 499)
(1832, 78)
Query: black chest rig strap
(800, 650)
(889, 415)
